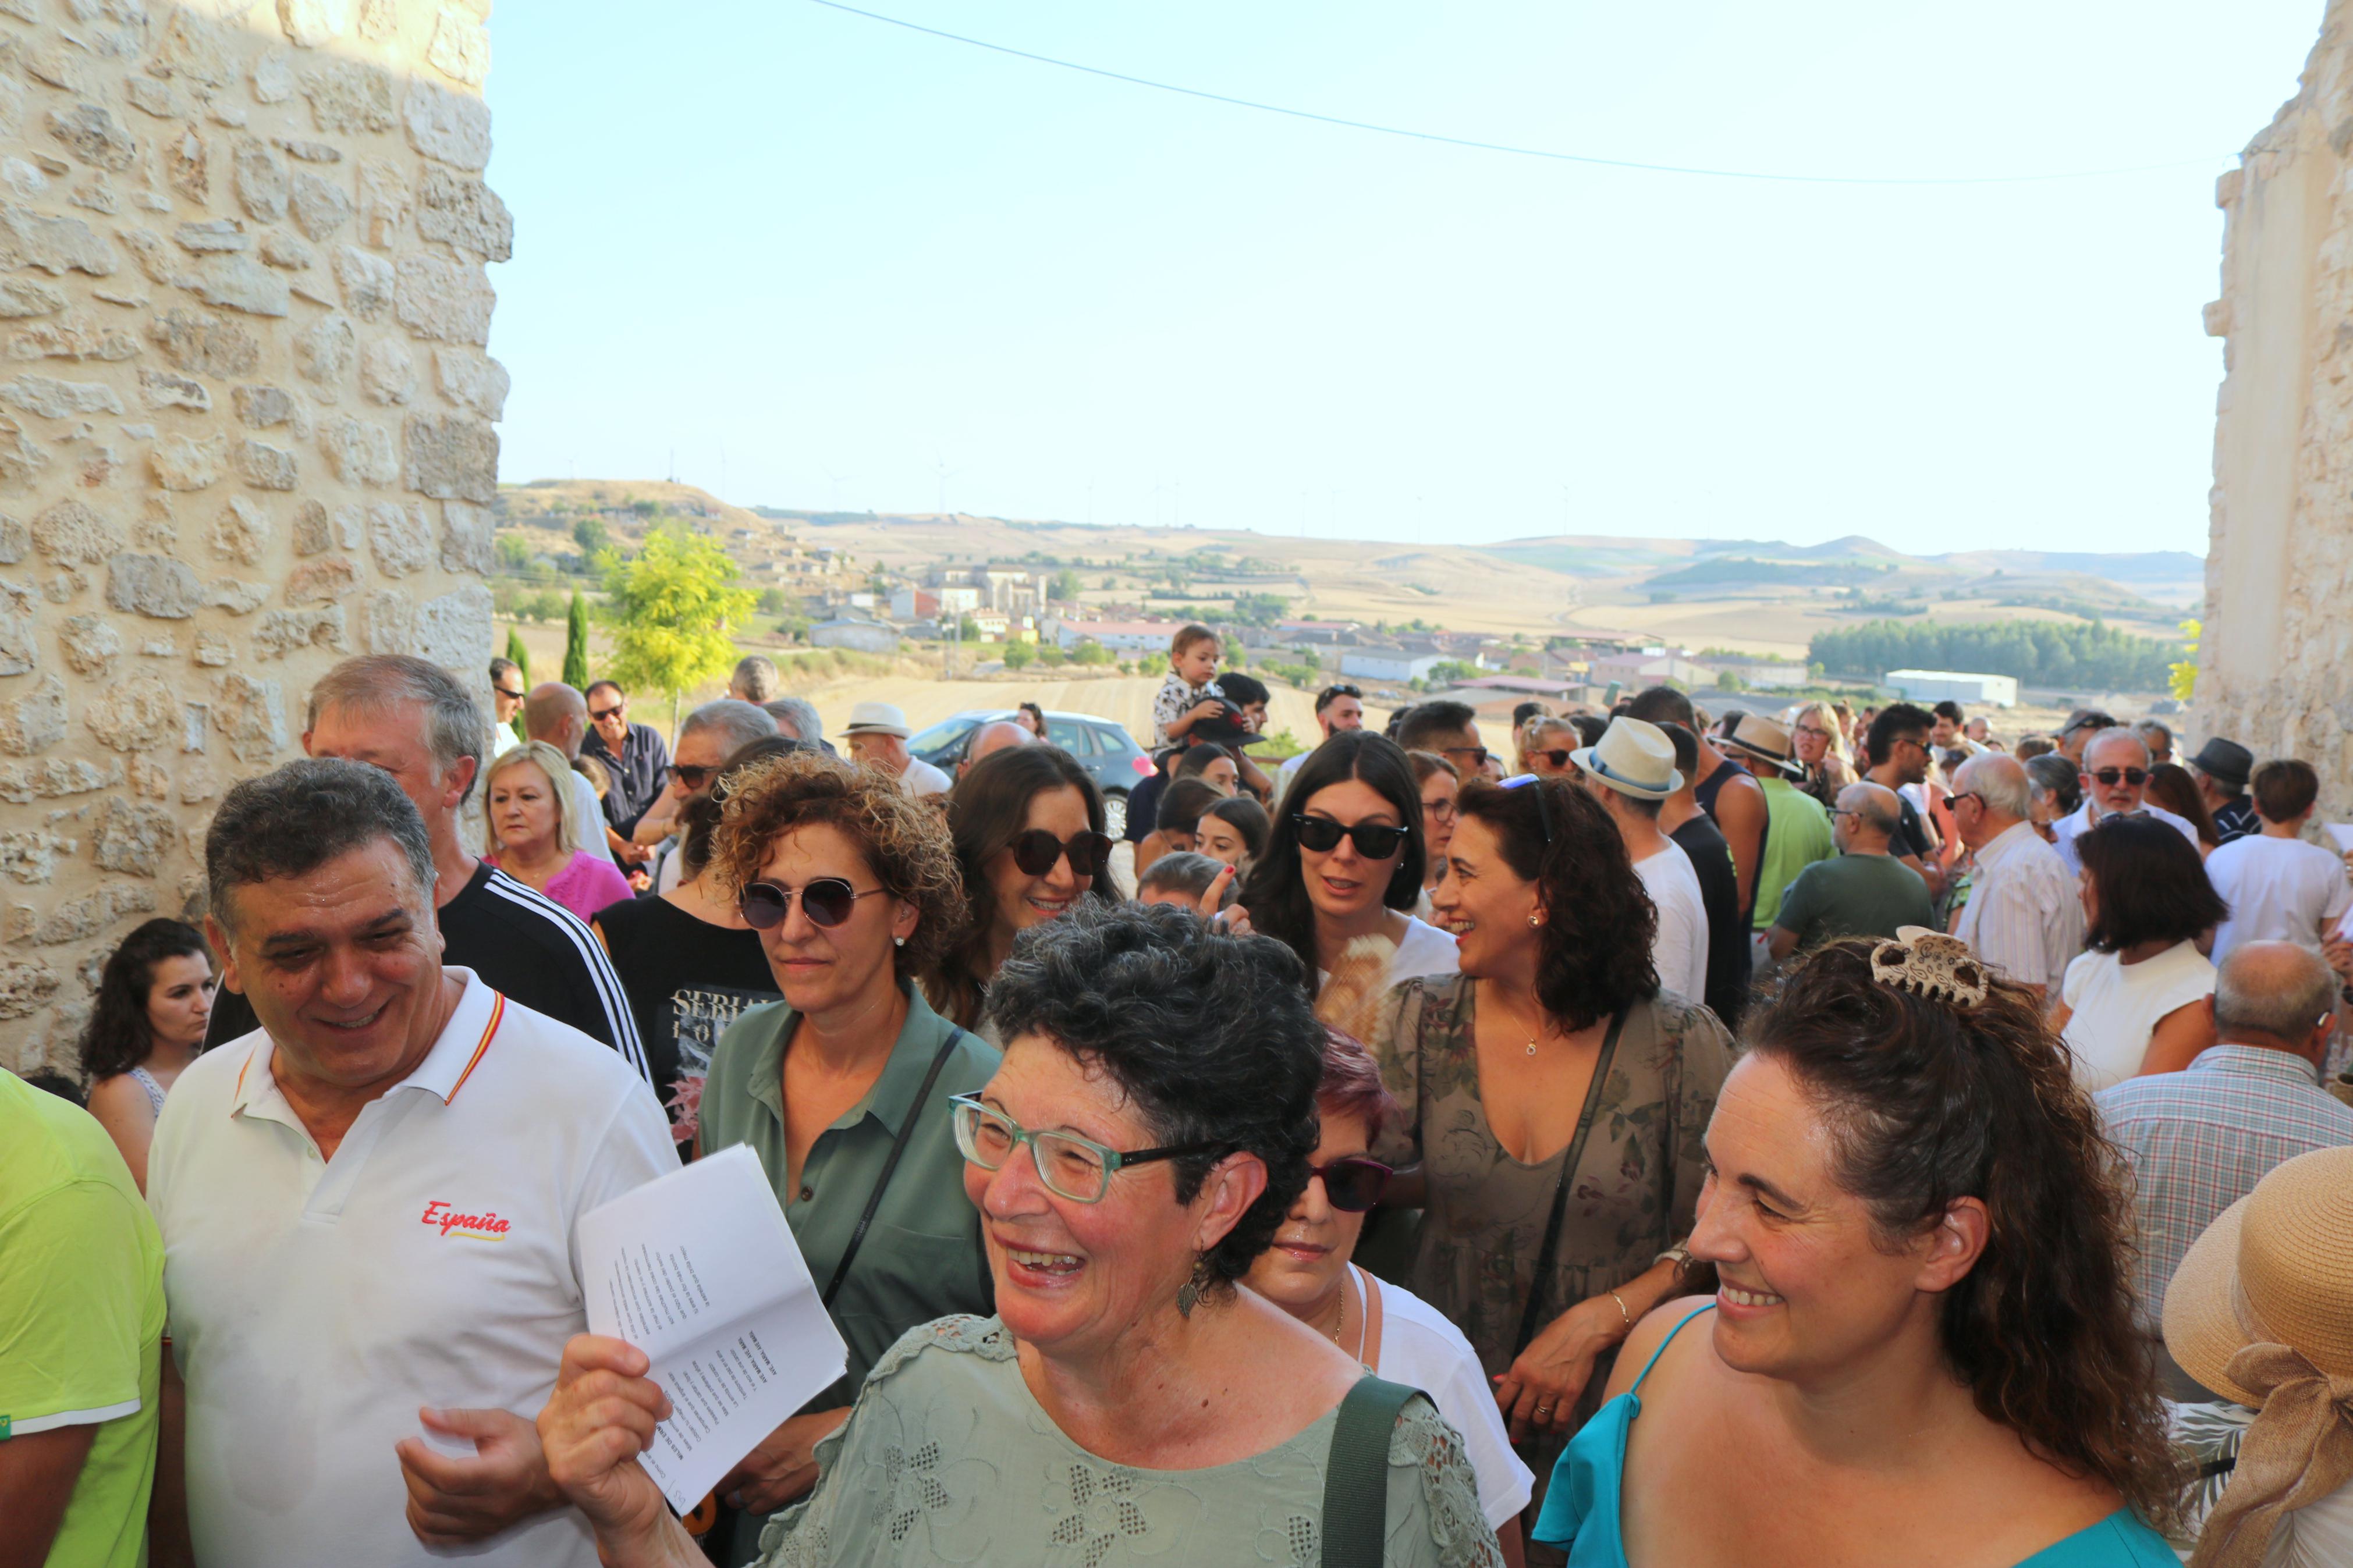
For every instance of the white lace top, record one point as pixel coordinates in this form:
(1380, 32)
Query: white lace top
(948, 1458)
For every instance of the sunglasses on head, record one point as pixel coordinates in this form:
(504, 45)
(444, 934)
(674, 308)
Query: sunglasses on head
(1374, 840)
(601, 714)
(828, 901)
(1037, 850)
(2113, 777)
(1353, 1184)
(1544, 811)
(689, 775)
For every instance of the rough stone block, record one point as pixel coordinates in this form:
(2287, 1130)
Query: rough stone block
(91, 133)
(162, 389)
(155, 585)
(466, 544)
(273, 77)
(90, 644)
(466, 214)
(261, 181)
(187, 166)
(53, 399)
(19, 642)
(154, 98)
(387, 372)
(26, 988)
(29, 856)
(388, 624)
(220, 234)
(213, 651)
(245, 711)
(241, 283)
(241, 532)
(237, 599)
(54, 778)
(202, 344)
(360, 452)
(367, 281)
(318, 207)
(400, 539)
(350, 96)
(385, 203)
(282, 250)
(71, 337)
(281, 632)
(184, 463)
(267, 468)
(56, 245)
(15, 541)
(133, 715)
(453, 127)
(310, 23)
(460, 47)
(262, 406)
(322, 582)
(451, 458)
(36, 721)
(444, 299)
(196, 48)
(21, 297)
(133, 837)
(323, 354)
(71, 534)
(317, 529)
(21, 457)
(475, 382)
(454, 630)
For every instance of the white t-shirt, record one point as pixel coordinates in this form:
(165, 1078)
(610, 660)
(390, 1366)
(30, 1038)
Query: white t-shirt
(1421, 1350)
(2279, 889)
(922, 779)
(1426, 950)
(2117, 1008)
(1679, 950)
(434, 1260)
(592, 818)
(2082, 820)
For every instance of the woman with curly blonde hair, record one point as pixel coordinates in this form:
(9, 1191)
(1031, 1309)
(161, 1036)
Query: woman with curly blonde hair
(842, 1089)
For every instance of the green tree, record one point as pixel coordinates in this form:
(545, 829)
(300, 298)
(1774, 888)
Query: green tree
(514, 556)
(676, 607)
(1066, 586)
(2182, 677)
(1092, 652)
(1017, 654)
(576, 644)
(590, 535)
(518, 654)
(1051, 655)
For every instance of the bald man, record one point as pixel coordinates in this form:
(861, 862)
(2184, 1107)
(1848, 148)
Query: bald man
(558, 715)
(993, 736)
(2025, 916)
(1864, 891)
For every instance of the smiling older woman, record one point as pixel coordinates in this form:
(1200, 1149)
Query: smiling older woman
(1149, 1130)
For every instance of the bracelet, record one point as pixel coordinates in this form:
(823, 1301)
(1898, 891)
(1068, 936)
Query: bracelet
(1622, 1308)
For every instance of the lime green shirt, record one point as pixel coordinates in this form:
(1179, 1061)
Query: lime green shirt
(81, 1316)
(1797, 834)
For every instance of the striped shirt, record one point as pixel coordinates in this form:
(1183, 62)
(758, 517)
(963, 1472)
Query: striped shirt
(2197, 1141)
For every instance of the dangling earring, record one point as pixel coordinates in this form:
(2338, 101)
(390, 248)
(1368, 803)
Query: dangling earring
(1189, 1297)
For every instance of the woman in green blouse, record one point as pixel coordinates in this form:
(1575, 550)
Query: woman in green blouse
(1152, 1124)
(852, 886)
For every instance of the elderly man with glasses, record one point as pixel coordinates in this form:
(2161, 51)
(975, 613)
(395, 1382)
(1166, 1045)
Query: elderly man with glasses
(2023, 916)
(2115, 782)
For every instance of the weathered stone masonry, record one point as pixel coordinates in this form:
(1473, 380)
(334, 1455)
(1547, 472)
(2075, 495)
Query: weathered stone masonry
(245, 423)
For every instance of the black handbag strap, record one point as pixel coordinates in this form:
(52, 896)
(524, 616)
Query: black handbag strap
(1531, 1315)
(1356, 1478)
(882, 1182)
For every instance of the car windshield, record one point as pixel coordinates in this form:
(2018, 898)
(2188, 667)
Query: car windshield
(948, 731)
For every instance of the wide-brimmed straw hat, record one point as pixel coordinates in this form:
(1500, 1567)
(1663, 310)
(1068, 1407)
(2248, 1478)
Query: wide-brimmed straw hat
(1767, 741)
(2275, 1268)
(877, 719)
(1633, 758)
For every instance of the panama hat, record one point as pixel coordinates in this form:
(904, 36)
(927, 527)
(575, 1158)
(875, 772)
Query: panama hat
(1766, 740)
(1632, 757)
(877, 719)
(2275, 1268)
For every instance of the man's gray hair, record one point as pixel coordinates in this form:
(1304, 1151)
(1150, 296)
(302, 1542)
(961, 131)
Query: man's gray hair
(1998, 781)
(2110, 739)
(754, 680)
(737, 723)
(290, 822)
(800, 715)
(455, 724)
(1186, 873)
(2272, 988)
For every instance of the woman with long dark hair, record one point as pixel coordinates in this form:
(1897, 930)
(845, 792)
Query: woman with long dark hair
(154, 1002)
(1344, 863)
(1922, 1325)
(2134, 1002)
(1552, 1068)
(1027, 824)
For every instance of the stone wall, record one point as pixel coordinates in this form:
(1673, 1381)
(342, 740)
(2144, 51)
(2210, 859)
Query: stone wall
(2273, 667)
(245, 424)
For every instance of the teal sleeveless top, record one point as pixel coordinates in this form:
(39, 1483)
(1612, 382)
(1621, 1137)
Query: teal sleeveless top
(1580, 1507)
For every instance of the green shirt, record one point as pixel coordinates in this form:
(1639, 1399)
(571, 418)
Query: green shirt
(1853, 895)
(1797, 834)
(81, 1316)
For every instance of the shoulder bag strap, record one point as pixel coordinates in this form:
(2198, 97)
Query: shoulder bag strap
(1357, 1478)
(1531, 1315)
(882, 1182)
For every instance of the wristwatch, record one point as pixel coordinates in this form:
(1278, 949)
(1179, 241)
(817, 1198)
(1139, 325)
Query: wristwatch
(1679, 1256)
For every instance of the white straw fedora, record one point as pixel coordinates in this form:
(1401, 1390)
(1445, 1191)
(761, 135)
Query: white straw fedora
(1634, 758)
(1767, 741)
(877, 719)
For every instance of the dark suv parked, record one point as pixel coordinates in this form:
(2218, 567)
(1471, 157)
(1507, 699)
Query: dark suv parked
(1105, 748)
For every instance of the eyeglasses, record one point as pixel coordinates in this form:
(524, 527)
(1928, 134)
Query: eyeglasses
(1813, 730)
(1076, 1168)
(1543, 808)
(826, 901)
(1478, 754)
(509, 696)
(2114, 776)
(689, 775)
(1037, 850)
(1353, 1184)
(1440, 810)
(1959, 795)
(615, 711)
(1374, 840)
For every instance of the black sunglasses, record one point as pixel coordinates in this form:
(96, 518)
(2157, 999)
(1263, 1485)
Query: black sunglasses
(2113, 777)
(1037, 850)
(1557, 759)
(601, 714)
(1374, 840)
(1331, 694)
(689, 775)
(509, 696)
(1353, 1183)
(1478, 754)
(827, 901)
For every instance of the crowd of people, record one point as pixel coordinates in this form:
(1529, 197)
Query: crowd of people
(1688, 1138)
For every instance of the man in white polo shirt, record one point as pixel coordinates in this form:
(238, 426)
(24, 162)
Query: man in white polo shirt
(2115, 784)
(369, 1205)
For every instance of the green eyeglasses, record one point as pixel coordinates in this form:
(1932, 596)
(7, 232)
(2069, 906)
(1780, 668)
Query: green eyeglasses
(1076, 1168)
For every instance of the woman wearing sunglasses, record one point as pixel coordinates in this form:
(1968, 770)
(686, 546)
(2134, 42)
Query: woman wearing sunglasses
(852, 886)
(1150, 1126)
(1551, 1066)
(1027, 826)
(1308, 1273)
(1344, 863)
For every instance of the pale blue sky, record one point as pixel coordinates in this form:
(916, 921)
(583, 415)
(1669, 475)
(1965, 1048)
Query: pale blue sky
(795, 247)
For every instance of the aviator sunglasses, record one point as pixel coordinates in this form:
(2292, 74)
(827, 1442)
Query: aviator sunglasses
(2113, 777)
(828, 901)
(1374, 840)
(1353, 1184)
(1037, 850)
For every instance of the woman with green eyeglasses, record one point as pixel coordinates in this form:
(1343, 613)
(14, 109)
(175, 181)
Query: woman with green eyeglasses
(1149, 1130)
(842, 1088)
